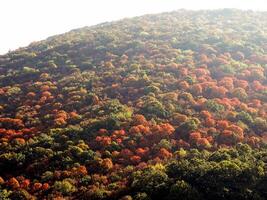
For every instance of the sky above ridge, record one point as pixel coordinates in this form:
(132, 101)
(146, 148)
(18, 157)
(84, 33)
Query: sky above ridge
(25, 21)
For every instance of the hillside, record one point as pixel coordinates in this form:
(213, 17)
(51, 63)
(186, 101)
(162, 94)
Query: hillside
(164, 106)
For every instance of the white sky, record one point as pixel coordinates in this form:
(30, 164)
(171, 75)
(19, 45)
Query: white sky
(25, 21)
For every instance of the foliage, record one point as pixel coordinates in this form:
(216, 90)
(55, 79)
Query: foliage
(165, 106)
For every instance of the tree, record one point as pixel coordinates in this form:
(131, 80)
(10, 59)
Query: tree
(194, 136)
(153, 182)
(153, 108)
(182, 190)
(20, 194)
(260, 124)
(203, 143)
(196, 89)
(164, 153)
(13, 182)
(135, 159)
(65, 187)
(5, 194)
(186, 127)
(37, 186)
(240, 93)
(222, 124)
(245, 117)
(106, 164)
(213, 106)
(139, 120)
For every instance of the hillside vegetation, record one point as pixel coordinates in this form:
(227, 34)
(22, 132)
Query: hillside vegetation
(165, 106)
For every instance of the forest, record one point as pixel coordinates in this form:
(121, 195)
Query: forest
(158, 107)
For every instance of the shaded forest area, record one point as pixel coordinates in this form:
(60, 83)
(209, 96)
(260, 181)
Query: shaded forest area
(165, 106)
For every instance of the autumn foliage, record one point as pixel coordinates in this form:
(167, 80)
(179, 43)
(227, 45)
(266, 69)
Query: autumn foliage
(110, 111)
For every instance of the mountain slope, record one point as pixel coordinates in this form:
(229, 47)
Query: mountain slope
(135, 107)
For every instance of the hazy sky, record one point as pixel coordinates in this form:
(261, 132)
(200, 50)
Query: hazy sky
(25, 21)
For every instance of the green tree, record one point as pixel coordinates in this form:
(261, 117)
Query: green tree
(152, 181)
(65, 187)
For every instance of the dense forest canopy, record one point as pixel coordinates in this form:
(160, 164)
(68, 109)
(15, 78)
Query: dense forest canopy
(164, 106)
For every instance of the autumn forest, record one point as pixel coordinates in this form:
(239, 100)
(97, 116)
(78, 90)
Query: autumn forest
(164, 106)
